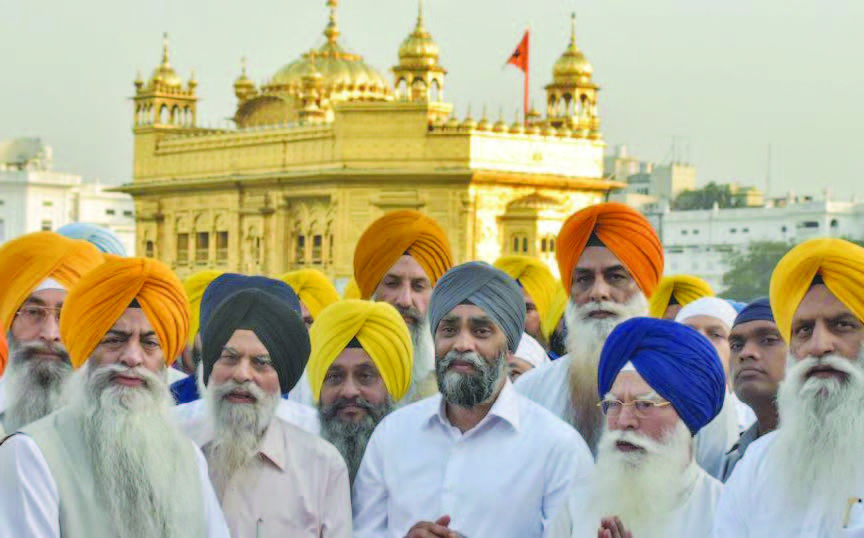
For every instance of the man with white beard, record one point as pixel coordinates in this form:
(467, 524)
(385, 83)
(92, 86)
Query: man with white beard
(37, 270)
(807, 477)
(272, 478)
(659, 383)
(610, 260)
(112, 462)
(398, 260)
(478, 459)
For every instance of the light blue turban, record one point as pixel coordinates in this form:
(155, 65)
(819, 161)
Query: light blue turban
(104, 239)
(482, 285)
(677, 362)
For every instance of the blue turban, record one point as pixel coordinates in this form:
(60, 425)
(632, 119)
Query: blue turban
(491, 289)
(229, 283)
(677, 362)
(737, 305)
(104, 239)
(758, 310)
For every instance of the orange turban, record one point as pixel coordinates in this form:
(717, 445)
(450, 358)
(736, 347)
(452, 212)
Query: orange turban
(314, 289)
(28, 260)
(624, 231)
(98, 300)
(4, 352)
(839, 263)
(684, 288)
(391, 236)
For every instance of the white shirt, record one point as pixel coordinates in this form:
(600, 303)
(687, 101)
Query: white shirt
(302, 391)
(30, 502)
(506, 477)
(194, 422)
(692, 518)
(753, 506)
(548, 385)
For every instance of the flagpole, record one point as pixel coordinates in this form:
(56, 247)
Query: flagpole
(527, 86)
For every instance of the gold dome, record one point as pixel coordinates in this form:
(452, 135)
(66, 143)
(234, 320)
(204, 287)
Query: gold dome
(165, 74)
(340, 70)
(419, 49)
(572, 65)
(243, 81)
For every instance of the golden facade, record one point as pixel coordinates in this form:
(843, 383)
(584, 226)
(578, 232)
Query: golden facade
(327, 146)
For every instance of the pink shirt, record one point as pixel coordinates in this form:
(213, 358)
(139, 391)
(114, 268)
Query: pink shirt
(297, 487)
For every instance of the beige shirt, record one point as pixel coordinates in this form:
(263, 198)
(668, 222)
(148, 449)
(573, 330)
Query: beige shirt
(297, 487)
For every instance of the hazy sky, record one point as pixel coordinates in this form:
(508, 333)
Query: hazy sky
(726, 78)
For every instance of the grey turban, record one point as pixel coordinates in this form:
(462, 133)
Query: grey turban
(491, 289)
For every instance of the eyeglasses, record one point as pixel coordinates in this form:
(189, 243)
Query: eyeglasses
(642, 408)
(37, 315)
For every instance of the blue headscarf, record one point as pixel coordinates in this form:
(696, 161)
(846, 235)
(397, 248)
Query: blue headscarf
(677, 362)
(491, 289)
(226, 285)
(758, 310)
(104, 239)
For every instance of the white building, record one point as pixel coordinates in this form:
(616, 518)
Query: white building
(33, 197)
(699, 242)
(650, 186)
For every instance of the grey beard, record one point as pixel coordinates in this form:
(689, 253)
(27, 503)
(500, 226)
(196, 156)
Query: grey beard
(472, 389)
(238, 428)
(142, 463)
(34, 386)
(351, 438)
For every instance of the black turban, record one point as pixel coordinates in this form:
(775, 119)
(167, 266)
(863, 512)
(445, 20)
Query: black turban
(229, 283)
(480, 284)
(272, 319)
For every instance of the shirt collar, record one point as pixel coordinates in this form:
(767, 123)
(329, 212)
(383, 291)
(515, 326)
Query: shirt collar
(272, 446)
(506, 408)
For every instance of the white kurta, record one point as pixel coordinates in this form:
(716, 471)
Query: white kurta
(752, 504)
(506, 477)
(692, 518)
(548, 386)
(30, 502)
(193, 421)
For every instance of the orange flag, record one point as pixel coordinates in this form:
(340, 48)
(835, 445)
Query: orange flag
(519, 58)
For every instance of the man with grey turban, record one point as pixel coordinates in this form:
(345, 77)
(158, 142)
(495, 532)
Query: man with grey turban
(429, 466)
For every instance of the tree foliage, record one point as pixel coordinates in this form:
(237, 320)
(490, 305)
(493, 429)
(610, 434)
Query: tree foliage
(725, 196)
(750, 269)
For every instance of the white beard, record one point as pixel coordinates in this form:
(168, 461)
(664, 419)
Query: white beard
(237, 428)
(424, 359)
(642, 489)
(585, 339)
(34, 387)
(139, 455)
(817, 452)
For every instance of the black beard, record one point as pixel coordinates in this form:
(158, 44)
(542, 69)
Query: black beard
(351, 438)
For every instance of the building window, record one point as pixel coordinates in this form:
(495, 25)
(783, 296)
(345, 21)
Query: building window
(202, 247)
(524, 244)
(515, 244)
(128, 213)
(683, 232)
(221, 248)
(300, 250)
(149, 249)
(109, 211)
(834, 223)
(317, 248)
(47, 225)
(695, 232)
(809, 224)
(330, 257)
(256, 250)
(182, 249)
(733, 230)
(47, 203)
(543, 245)
(745, 230)
(783, 229)
(551, 244)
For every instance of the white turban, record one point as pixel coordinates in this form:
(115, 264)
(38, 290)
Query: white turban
(708, 306)
(530, 350)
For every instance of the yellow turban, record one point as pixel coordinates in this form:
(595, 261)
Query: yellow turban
(28, 260)
(535, 277)
(684, 288)
(314, 289)
(393, 235)
(839, 263)
(556, 310)
(195, 286)
(98, 300)
(381, 332)
(351, 290)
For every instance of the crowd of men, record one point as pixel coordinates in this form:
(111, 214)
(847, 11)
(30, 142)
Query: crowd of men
(431, 399)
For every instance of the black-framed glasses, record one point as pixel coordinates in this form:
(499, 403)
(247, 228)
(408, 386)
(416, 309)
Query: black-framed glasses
(642, 408)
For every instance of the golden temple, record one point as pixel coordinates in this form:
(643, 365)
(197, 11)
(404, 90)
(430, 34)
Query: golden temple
(327, 145)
